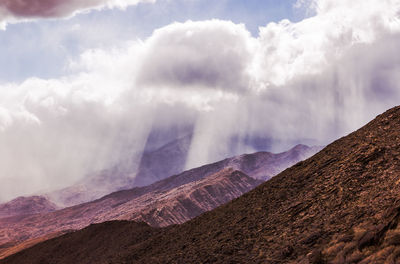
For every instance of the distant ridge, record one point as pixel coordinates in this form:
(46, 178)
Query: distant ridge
(27, 206)
(161, 163)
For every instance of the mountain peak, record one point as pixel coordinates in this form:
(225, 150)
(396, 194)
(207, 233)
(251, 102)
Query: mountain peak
(26, 205)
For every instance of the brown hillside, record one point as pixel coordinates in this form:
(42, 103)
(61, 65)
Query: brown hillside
(163, 203)
(340, 206)
(160, 204)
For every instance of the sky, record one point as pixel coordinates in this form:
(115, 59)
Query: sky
(42, 48)
(84, 83)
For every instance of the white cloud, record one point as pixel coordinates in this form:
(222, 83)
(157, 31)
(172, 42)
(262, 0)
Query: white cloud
(292, 49)
(315, 79)
(212, 54)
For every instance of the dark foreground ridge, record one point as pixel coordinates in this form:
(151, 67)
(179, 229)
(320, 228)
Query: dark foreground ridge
(340, 206)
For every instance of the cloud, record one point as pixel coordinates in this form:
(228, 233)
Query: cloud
(196, 55)
(316, 79)
(12, 11)
(292, 49)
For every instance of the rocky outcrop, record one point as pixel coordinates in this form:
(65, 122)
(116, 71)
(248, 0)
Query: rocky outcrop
(181, 204)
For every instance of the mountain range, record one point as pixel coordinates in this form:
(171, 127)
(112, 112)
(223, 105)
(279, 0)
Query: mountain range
(339, 206)
(161, 161)
(174, 200)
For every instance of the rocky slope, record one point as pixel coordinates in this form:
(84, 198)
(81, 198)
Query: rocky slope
(340, 206)
(102, 245)
(26, 206)
(181, 204)
(161, 203)
(171, 201)
(11, 248)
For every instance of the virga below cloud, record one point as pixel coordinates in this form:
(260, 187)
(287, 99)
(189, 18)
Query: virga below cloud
(315, 79)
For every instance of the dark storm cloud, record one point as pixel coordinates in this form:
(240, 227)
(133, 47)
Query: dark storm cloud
(15, 10)
(39, 8)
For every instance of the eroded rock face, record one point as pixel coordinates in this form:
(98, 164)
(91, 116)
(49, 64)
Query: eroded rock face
(181, 204)
(339, 206)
